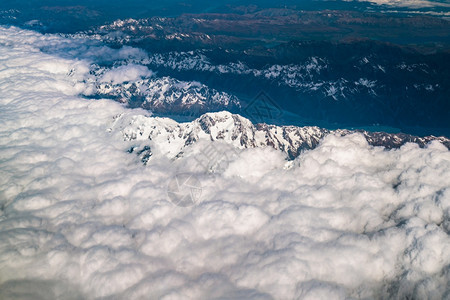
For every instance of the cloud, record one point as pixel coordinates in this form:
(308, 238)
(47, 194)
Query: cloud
(130, 72)
(80, 213)
(410, 3)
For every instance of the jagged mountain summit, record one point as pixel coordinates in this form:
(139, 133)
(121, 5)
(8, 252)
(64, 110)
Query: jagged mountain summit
(171, 138)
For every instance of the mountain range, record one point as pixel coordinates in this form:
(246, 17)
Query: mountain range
(171, 138)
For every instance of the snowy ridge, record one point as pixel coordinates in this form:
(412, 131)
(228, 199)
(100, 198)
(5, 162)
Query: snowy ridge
(172, 138)
(306, 76)
(137, 86)
(167, 94)
(197, 60)
(302, 76)
(135, 30)
(309, 75)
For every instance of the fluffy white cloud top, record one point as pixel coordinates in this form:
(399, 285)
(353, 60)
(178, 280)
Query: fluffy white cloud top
(410, 3)
(81, 217)
(126, 73)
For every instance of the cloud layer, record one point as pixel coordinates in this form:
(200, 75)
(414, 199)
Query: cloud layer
(410, 3)
(81, 217)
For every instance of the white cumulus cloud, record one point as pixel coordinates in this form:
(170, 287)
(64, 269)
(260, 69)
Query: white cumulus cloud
(410, 3)
(125, 73)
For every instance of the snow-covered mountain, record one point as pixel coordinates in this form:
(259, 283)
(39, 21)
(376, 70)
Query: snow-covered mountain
(141, 88)
(171, 138)
(309, 75)
(304, 76)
